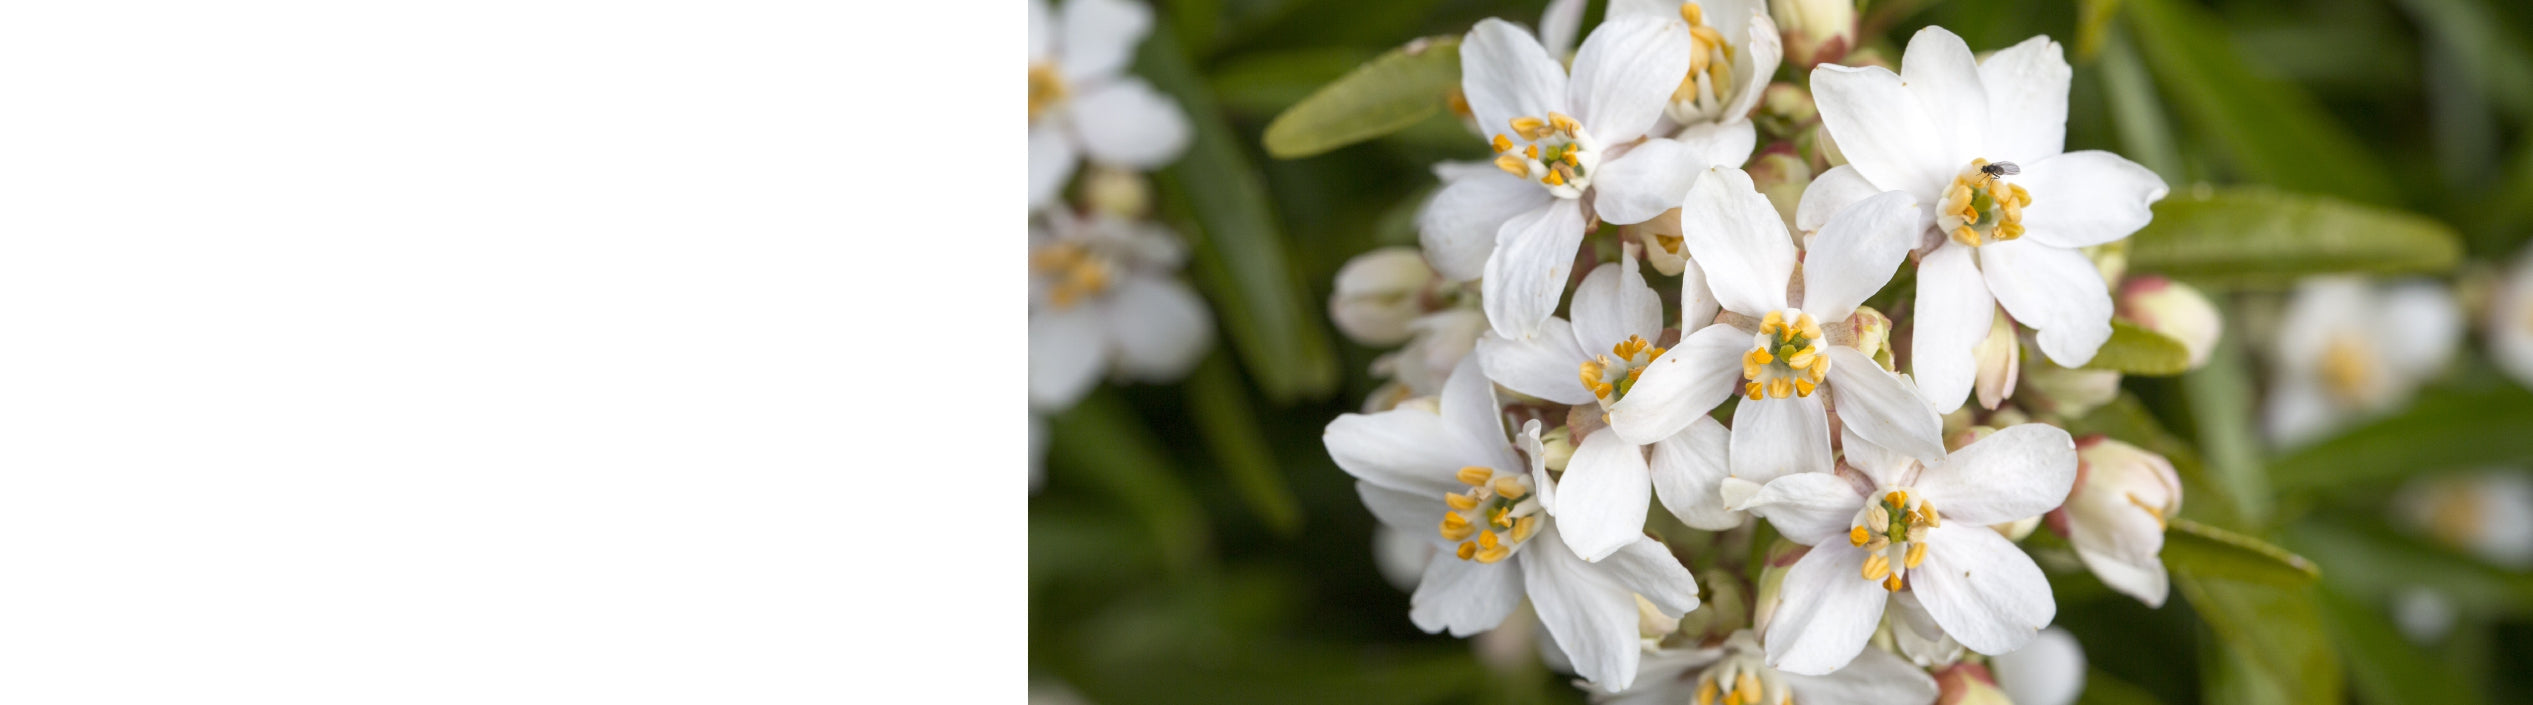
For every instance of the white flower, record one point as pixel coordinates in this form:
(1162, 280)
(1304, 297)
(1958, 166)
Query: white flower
(1730, 61)
(1080, 101)
(1600, 503)
(2347, 350)
(2048, 672)
(1450, 473)
(1734, 672)
(2489, 514)
(1785, 359)
(1919, 527)
(2511, 321)
(2116, 513)
(1566, 139)
(2006, 239)
(1436, 342)
(1103, 297)
(1379, 293)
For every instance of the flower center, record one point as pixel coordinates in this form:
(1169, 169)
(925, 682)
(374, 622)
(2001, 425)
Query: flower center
(1046, 88)
(1893, 530)
(1742, 679)
(1786, 358)
(1610, 376)
(1073, 272)
(1701, 94)
(1555, 152)
(1494, 517)
(1980, 207)
(2349, 369)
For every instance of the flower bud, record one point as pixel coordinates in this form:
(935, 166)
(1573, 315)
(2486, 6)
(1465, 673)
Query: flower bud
(1118, 192)
(1968, 684)
(1781, 176)
(2048, 671)
(2115, 516)
(2174, 310)
(1815, 31)
(1379, 293)
(1435, 345)
(1872, 334)
(1997, 358)
(1558, 445)
(2057, 391)
(1664, 249)
(1788, 103)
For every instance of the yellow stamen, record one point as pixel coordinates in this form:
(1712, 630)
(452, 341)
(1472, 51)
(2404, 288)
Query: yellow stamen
(1460, 502)
(1780, 388)
(1555, 177)
(1467, 550)
(1562, 123)
(1877, 566)
(1475, 475)
(1755, 392)
(1513, 165)
(1746, 686)
(1456, 527)
(1502, 144)
(1891, 583)
(1523, 529)
(1509, 487)
(1804, 387)
(1917, 554)
(1046, 89)
(1502, 517)
(1897, 498)
(1530, 128)
(1857, 536)
(1694, 14)
(1705, 688)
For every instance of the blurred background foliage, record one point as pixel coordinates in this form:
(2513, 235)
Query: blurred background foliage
(1194, 542)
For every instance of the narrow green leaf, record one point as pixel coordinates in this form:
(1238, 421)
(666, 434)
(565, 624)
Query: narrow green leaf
(2445, 429)
(2494, 60)
(1385, 95)
(2220, 402)
(2136, 112)
(1239, 252)
(2383, 664)
(2270, 130)
(2250, 236)
(1102, 444)
(2371, 562)
(2273, 648)
(2206, 550)
(2135, 350)
(1266, 82)
(1221, 409)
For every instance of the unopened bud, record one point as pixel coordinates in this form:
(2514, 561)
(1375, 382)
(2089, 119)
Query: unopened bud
(1998, 359)
(2174, 310)
(1558, 445)
(2116, 513)
(1872, 334)
(1968, 684)
(1118, 192)
(1781, 175)
(1379, 293)
(1790, 103)
(1815, 31)
(2056, 391)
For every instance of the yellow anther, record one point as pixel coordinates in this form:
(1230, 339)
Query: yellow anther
(1694, 14)
(1525, 527)
(1804, 387)
(1460, 502)
(1563, 123)
(1876, 566)
(1467, 550)
(1503, 144)
(1555, 177)
(1531, 151)
(1917, 554)
(1820, 368)
(1475, 475)
(1487, 540)
(1891, 583)
(1490, 555)
(1780, 387)
(1857, 536)
(1509, 487)
(1530, 128)
(1966, 236)
(1758, 356)
(1746, 687)
(1705, 688)
(1502, 517)
(1512, 164)
(2009, 231)
(1811, 328)
(1456, 527)
(1754, 391)
(1897, 498)
(1774, 321)
(1800, 358)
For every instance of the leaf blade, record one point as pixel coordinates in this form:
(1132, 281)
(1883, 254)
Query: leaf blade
(2249, 236)
(1391, 92)
(2135, 350)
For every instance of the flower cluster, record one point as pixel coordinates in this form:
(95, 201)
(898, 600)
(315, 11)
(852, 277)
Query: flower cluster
(1733, 351)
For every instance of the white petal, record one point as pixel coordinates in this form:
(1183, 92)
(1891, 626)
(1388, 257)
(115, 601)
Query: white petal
(2014, 474)
(1981, 588)
(1458, 227)
(1614, 304)
(2145, 580)
(1828, 612)
(1534, 256)
(2048, 672)
(1651, 178)
(1761, 48)
(2081, 199)
(1713, 144)
(1409, 450)
(1876, 677)
(1418, 515)
(1856, 252)
(1532, 448)
(2420, 324)
(1591, 617)
(1127, 123)
(1624, 74)
(1880, 128)
(1052, 157)
(1688, 475)
(1558, 24)
(1646, 567)
(1884, 466)
(1883, 407)
(1041, 32)
(1160, 327)
(1464, 597)
(2027, 100)
(1506, 74)
(1954, 313)
(1829, 193)
(2056, 291)
(1697, 302)
(1773, 438)
(1939, 70)
(1601, 500)
(1067, 352)
(1809, 508)
(2510, 321)
(1100, 36)
(1542, 366)
(1475, 420)
(1657, 9)
(1738, 241)
(1401, 556)
(1682, 385)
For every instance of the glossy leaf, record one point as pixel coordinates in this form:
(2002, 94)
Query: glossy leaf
(2384, 666)
(2273, 648)
(1101, 444)
(1222, 412)
(2206, 550)
(1391, 92)
(2259, 237)
(2135, 350)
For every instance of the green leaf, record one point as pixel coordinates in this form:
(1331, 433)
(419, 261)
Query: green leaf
(2220, 403)
(1100, 443)
(1221, 409)
(2272, 644)
(1385, 95)
(2135, 350)
(1264, 83)
(2270, 130)
(2102, 688)
(2250, 236)
(1239, 253)
(2385, 667)
(2206, 550)
(2446, 429)
(2371, 562)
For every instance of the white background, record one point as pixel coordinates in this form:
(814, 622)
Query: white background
(508, 352)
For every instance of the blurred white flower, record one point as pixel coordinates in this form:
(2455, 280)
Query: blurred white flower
(2511, 321)
(2115, 516)
(1104, 296)
(1732, 50)
(1436, 343)
(2489, 514)
(2050, 671)
(1379, 293)
(1935, 130)
(1081, 101)
(2423, 614)
(1735, 673)
(1594, 361)
(1401, 555)
(1870, 542)
(1451, 473)
(2347, 350)
(1519, 227)
(1785, 360)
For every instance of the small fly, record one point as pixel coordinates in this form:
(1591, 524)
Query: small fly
(1996, 170)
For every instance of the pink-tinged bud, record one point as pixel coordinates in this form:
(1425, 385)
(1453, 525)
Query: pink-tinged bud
(2115, 515)
(1781, 175)
(1787, 106)
(1999, 360)
(1871, 332)
(1379, 293)
(2175, 310)
(2054, 391)
(1815, 31)
(1968, 684)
